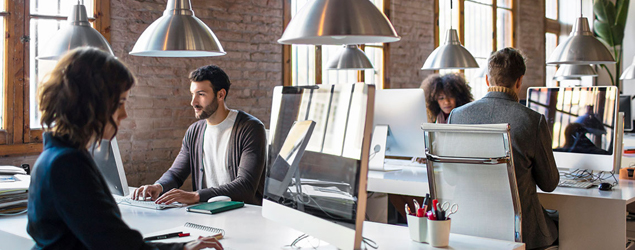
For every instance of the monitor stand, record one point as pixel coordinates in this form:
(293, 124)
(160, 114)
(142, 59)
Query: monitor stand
(378, 149)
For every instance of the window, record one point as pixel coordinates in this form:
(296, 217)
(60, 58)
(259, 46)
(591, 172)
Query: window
(485, 26)
(306, 64)
(20, 131)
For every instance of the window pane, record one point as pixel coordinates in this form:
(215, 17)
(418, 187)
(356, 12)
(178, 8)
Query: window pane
(335, 76)
(551, 9)
(58, 7)
(478, 29)
(2, 94)
(303, 65)
(376, 75)
(40, 32)
(503, 29)
(302, 56)
(505, 3)
(551, 41)
(488, 2)
(445, 17)
(476, 80)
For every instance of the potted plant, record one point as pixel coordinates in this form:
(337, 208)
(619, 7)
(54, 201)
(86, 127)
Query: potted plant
(609, 24)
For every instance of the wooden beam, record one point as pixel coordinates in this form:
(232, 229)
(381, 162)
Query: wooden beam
(15, 74)
(386, 51)
(286, 49)
(20, 149)
(102, 18)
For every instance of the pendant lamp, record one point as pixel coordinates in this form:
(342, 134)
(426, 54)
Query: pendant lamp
(77, 33)
(567, 78)
(581, 47)
(451, 55)
(178, 33)
(629, 73)
(338, 22)
(576, 70)
(350, 57)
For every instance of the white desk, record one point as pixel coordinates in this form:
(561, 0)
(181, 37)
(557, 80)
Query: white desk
(589, 218)
(245, 228)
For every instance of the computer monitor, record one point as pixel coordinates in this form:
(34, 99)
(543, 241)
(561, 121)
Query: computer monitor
(327, 197)
(625, 106)
(583, 122)
(108, 159)
(399, 114)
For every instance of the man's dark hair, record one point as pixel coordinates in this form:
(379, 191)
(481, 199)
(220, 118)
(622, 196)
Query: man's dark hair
(505, 67)
(214, 75)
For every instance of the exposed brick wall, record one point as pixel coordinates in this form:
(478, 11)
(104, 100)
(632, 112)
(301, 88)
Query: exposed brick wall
(530, 38)
(413, 21)
(158, 110)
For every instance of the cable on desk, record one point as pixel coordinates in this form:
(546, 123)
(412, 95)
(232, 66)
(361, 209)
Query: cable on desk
(370, 243)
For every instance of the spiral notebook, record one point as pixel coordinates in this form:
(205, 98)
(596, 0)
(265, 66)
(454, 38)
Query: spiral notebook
(195, 230)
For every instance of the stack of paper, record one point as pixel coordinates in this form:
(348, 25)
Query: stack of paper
(14, 194)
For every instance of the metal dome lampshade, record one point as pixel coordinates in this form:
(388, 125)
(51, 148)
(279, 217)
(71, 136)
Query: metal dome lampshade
(178, 33)
(629, 73)
(350, 58)
(451, 55)
(575, 70)
(77, 33)
(581, 47)
(567, 78)
(339, 22)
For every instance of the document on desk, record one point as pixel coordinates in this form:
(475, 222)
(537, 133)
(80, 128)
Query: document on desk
(195, 230)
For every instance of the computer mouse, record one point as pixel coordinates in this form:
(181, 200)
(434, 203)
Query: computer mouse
(605, 186)
(219, 198)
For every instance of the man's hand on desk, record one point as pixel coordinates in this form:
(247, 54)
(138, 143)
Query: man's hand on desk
(178, 195)
(147, 191)
(203, 242)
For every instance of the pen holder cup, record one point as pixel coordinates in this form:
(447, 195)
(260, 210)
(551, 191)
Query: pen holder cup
(439, 232)
(418, 227)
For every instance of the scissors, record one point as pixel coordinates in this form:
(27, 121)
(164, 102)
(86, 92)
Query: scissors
(448, 209)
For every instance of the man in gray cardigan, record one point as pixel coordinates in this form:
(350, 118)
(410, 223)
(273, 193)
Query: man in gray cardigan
(224, 151)
(531, 141)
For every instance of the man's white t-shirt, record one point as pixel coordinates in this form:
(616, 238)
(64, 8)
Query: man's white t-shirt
(215, 143)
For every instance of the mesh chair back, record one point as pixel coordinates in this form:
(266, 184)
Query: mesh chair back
(471, 165)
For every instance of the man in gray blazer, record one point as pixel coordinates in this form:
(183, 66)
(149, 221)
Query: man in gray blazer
(531, 141)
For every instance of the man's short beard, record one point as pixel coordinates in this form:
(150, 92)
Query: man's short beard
(208, 110)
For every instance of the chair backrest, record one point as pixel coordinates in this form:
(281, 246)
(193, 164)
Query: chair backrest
(472, 166)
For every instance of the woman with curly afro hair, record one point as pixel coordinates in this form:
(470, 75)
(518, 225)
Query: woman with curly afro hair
(443, 94)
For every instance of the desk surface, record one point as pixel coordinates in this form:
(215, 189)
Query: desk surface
(414, 181)
(246, 229)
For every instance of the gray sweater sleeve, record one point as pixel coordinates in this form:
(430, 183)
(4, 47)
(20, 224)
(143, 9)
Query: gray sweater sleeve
(180, 169)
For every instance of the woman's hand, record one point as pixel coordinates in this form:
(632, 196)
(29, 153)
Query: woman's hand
(203, 242)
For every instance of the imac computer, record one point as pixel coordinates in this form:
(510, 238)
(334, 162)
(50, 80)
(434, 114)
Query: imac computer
(108, 159)
(627, 108)
(399, 114)
(326, 197)
(583, 123)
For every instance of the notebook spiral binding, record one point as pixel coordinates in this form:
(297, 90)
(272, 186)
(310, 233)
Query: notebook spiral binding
(205, 228)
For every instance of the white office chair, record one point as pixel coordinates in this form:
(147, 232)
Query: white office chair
(472, 166)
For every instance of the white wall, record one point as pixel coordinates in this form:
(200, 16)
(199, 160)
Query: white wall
(629, 48)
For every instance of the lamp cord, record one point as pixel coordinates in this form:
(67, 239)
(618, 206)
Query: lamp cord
(451, 10)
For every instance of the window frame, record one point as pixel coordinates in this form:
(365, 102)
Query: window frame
(287, 66)
(17, 137)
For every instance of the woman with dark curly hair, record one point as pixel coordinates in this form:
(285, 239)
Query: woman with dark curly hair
(443, 94)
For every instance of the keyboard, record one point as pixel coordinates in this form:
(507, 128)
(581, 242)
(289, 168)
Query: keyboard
(575, 184)
(145, 204)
